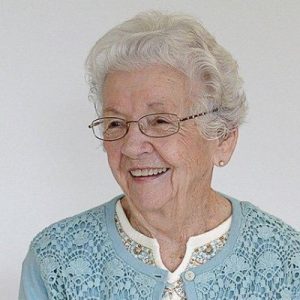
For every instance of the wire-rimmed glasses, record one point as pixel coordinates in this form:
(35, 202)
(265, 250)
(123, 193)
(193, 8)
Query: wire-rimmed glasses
(153, 125)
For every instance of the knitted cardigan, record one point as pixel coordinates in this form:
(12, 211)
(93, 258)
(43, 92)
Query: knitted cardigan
(84, 258)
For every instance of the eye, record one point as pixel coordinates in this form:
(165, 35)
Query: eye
(159, 120)
(162, 121)
(114, 124)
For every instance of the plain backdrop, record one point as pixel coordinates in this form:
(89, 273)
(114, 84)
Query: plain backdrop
(51, 166)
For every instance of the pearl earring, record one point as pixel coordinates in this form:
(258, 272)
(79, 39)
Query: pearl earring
(221, 163)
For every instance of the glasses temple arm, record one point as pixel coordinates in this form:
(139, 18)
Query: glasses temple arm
(199, 115)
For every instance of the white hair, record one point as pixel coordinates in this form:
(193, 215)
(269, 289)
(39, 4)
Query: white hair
(180, 42)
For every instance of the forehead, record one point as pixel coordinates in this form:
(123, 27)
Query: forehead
(152, 89)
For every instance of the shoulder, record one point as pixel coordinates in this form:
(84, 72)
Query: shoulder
(268, 249)
(267, 225)
(76, 230)
(270, 243)
(68, 252)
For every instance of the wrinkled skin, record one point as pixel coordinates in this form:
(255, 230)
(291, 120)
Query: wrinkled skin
(180, 203)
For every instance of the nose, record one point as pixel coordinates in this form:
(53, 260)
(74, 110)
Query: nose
(135, 143)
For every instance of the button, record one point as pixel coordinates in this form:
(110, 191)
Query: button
(189, 275)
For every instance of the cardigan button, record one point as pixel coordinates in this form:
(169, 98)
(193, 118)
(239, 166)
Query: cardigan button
(189, 275)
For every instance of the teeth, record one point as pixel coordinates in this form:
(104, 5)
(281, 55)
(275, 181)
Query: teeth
(144, 173)
(147, 172)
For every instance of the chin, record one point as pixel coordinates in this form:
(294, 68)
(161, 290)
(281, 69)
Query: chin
(148, 202)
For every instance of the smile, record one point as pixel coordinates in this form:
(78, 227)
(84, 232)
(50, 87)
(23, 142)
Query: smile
(148, 172)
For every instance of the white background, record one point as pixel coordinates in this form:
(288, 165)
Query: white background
(52, 167)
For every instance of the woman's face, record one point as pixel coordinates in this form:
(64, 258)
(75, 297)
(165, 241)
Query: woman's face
(184, 160)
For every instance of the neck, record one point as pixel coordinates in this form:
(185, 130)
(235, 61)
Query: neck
(179, 220)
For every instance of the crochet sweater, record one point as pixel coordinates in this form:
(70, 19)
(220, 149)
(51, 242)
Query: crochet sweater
(84, 258)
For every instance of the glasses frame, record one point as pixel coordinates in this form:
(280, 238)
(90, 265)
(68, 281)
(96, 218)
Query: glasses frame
(92, 125)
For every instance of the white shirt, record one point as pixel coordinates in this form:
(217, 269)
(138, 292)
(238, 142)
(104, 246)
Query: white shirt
(210, 241)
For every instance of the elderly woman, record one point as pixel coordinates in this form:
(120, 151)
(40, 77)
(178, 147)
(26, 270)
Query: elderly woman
(170, 102)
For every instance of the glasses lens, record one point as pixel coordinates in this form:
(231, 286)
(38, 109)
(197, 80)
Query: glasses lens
(159, 125)
(109, 129)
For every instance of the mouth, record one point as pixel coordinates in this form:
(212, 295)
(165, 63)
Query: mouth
(148, 172)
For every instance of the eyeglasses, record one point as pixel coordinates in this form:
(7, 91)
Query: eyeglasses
(152, 125)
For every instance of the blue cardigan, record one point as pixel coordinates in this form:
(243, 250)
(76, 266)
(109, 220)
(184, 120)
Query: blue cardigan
(83, 258)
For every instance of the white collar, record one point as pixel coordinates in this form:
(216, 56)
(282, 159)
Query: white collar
(151, 243)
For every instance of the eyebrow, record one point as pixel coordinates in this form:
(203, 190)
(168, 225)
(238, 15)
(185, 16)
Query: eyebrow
(153, 104)
(111, 109)
(115, 111)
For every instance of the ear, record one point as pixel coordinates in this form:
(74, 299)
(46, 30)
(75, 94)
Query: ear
(225, 148)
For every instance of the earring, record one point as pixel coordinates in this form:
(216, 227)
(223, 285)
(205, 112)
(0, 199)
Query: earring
(221, 163)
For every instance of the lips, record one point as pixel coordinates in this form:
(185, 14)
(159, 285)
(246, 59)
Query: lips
(148, 172)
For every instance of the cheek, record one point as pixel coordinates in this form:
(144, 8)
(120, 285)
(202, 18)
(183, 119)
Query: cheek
(193, 156)
(113, 157)
(183, 152)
